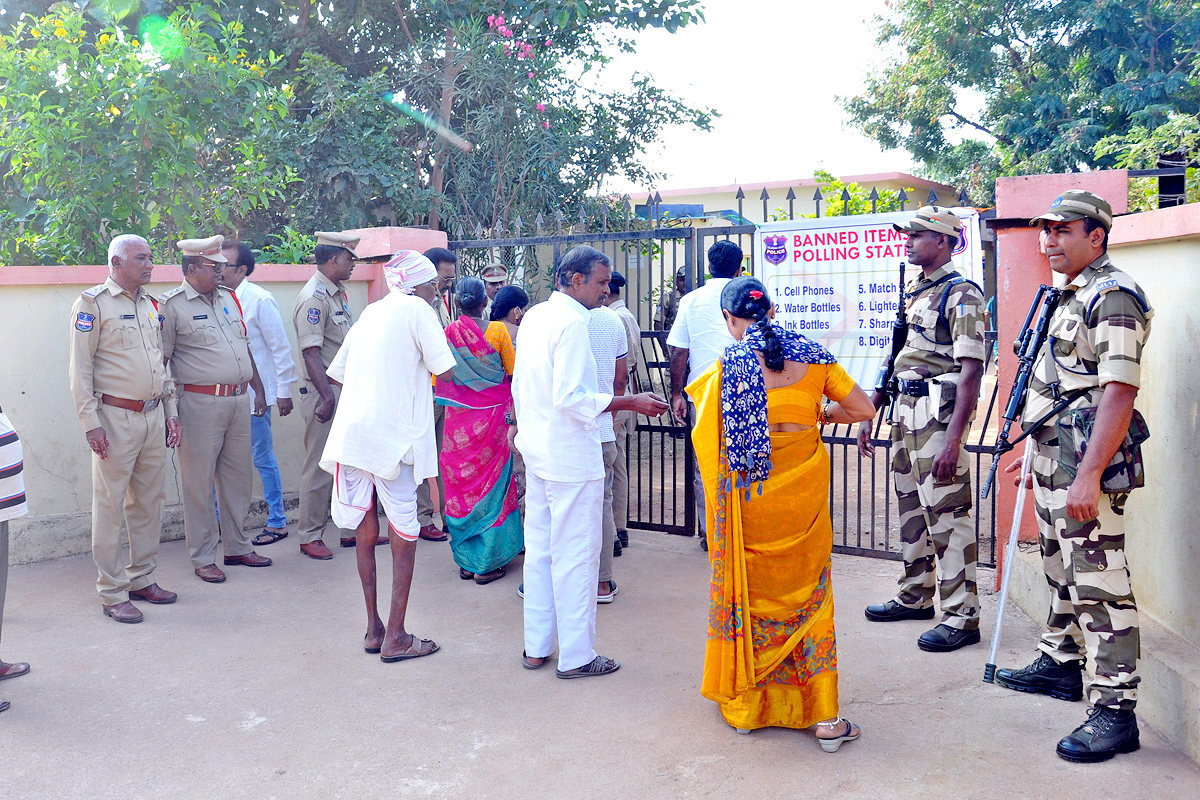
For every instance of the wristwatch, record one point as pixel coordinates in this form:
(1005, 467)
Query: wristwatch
(509, 419)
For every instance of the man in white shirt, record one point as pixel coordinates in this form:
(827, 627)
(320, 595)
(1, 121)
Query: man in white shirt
(558, 402)
(12, 505)
(626, 421)
(381, 441)
(698, 338)
(610, 346)
(270, 347)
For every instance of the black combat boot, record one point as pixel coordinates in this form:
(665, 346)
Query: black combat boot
(1107, 732)
(1045, 676)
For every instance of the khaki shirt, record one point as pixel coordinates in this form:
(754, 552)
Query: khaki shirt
(668, 307)
(1088, 350)
(321, 318)
(204, 342)
(633, 332)
(935, 347)
(441, 307)
(116, 349)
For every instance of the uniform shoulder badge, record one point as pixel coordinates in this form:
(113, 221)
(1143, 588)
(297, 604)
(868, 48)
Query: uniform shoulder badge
(319, 291)
(91, 293)
(168, 295)
(84, 322)
(314, 315)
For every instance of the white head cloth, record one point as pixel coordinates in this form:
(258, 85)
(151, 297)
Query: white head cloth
(407, 270)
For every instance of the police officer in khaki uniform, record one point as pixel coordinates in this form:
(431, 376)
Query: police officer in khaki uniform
(446, 264)
(205, 344)
(321, 317)
(495, 278)
(1094, 354)
(939, 371)
(123, 396)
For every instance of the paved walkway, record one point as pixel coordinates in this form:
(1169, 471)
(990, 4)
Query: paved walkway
(259, 688)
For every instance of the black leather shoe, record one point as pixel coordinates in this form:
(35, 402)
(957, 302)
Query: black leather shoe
(1107, 732)
(623, 538)
(892, 611)
(1046, 676)
(704, 542)
(617, 547)
(943, 639)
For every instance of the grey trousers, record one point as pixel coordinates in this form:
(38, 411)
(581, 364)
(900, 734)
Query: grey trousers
(608, 525)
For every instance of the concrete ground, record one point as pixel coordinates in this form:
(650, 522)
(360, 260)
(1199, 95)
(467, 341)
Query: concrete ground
(259, 688)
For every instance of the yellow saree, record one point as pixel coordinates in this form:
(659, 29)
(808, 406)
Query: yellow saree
(771, 658)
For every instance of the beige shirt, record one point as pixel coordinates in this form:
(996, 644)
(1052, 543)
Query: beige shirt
(116, 349)
(204, 342)
(321, 317)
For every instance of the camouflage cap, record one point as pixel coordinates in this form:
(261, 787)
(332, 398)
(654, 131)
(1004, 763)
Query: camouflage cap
(1076, 204)
(346, 241)
(932, 218)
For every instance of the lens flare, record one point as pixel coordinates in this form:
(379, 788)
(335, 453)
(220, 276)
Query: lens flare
(428, 121)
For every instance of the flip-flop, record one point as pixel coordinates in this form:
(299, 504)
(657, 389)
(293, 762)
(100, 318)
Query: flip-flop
(527, 664)
(407, 656)
(269, 537)
(4, 704)
(16, 673)
(488, 577)
(371, 650)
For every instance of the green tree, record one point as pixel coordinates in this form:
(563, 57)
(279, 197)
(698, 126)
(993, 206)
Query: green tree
(104, 134)
(1042, 80)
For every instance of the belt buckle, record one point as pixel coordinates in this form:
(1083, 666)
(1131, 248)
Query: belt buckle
(150, 405)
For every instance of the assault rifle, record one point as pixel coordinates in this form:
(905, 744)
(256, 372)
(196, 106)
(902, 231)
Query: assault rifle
(885, 382)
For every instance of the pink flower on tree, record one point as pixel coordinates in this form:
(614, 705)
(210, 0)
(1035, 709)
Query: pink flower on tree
(546, 124)
(531, 74)
(491, 20)
(540, 106)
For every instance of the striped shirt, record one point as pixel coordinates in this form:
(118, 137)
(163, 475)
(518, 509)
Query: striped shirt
(12, 485)
(609, 342)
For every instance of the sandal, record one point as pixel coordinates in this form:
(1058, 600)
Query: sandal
(368, 648)
(488, 577)
(463, 575)
(13, 670)
(269, 536)
(527, 662)
(600, 665)
(408, 654)
(832, 744)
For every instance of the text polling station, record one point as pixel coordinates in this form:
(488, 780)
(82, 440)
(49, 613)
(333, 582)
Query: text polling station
(835, 279)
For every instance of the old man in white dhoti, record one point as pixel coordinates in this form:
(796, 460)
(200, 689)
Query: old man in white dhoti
(381, 443)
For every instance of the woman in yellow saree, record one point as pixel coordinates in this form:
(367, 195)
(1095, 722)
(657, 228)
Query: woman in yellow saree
(771, 658)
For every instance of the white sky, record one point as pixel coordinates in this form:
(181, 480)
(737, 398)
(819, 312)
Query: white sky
(774, 69)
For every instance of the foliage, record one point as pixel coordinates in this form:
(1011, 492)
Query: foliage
(294, 247)
(105, 134)
(1054, 77)
(1141, 148)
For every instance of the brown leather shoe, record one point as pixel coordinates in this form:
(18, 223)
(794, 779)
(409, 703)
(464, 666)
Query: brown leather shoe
(212, 574)
(124, 612)
(154, 594)
(431, 533)
(316, 549)
(250, 559)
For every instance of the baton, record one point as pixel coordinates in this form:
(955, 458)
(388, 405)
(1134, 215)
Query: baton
(1010, 552)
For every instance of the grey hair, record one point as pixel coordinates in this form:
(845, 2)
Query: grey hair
(120, 244)
(579, 260)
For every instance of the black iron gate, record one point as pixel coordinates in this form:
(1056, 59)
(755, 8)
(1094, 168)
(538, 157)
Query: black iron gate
(661, 460)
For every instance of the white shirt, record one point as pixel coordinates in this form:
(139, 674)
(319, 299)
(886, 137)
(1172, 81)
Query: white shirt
(12, 484)
(607, 336)
(556, 393)
(268, 341)
(700, 327)
(385, 415)
(632, 330)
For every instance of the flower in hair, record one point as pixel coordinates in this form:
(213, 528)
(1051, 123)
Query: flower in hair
(755, 294)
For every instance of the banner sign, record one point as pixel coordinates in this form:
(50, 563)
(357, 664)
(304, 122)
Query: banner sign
(835, 280)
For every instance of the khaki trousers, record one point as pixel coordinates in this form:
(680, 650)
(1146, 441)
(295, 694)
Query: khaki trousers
(214, 450)
(316, 485)
(620, 484)
(131, 478)
(424, 506)
(607, 523)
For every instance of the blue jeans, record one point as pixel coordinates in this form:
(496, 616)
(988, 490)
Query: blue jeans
(263, 449)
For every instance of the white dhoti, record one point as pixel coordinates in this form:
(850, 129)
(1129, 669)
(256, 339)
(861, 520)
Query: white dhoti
(354, 492)
(562, 564)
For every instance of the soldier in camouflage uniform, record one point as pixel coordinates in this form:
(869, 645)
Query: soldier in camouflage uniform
(1095, 343)
(939, 371)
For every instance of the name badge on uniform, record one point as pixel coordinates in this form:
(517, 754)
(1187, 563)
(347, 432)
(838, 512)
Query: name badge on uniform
(200, 316)
(339, 313)
(129, 316)
(314, 315)
(84, 322)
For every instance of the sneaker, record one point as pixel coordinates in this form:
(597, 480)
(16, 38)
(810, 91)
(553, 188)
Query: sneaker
(521, 591)
(892, 611)
(608, 597)
(1046, 676)
(1108, 731)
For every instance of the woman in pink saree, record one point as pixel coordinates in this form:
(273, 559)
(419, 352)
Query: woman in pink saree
(480, 506)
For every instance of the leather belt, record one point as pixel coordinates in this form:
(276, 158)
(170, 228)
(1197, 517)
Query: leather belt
(217, 390)
(130, 405)
(913, 388)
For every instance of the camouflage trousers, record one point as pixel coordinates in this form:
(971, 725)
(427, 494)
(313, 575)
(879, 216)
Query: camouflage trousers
(937, 535)
(1092, 610)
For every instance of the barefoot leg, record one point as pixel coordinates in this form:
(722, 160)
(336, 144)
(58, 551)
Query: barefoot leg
(404, 556)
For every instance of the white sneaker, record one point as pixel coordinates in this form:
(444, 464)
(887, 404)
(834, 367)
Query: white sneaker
(608, 597)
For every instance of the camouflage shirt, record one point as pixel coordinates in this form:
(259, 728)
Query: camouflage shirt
(936, 346)
(1096, 336)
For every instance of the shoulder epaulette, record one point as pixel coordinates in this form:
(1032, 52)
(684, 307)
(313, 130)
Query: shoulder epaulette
(319, 291)
(165, 296)
(1112, 281)
(91, 293)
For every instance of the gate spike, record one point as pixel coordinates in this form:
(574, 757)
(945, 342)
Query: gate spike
(791, 198)
(582, 220)
(817, 199)
(604, 218)
(478, 231)
(903, 197)
(499, 229)
(628, 211)
(964, 199)
(845, 202)
(932, 197)
(517, 225)
(740, 196)
(458, 231)
(538, 222)
(791, 195)
(764, 197)
(558, 220)
(874, 198)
